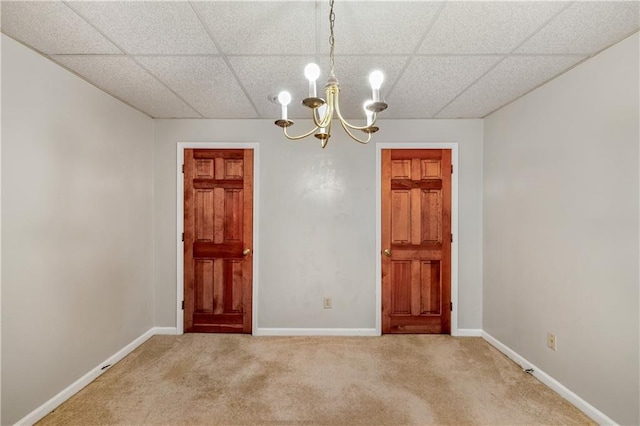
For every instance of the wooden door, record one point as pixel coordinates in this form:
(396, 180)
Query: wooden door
(416, 241)
(218, 240)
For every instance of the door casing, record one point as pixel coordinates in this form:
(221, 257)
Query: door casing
(181, 146)
(453, 146)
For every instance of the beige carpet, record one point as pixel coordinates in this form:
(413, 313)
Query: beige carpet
(238, 379)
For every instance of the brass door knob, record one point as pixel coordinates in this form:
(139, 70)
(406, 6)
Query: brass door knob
(246, 252)
(387, 252)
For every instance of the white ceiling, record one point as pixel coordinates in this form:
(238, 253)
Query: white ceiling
(224, 59)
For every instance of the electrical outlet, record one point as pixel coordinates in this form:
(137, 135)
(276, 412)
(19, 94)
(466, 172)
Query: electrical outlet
(552, 341)
(327, 303)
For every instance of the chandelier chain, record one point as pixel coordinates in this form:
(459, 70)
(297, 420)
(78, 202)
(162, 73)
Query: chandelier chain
(332, 20)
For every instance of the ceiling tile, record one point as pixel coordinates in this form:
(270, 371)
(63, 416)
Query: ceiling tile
(205, 82)
(51, 27)
(126, 80)
(486, 27)
(389, 27)
(149, 27)
(509, 80)
(265, 27)
(586, 28)
(430, 82)
(267, 76)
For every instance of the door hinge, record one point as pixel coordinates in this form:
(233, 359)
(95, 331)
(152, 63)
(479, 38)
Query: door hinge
(183, 168)
(183, 237)
(183, 305)
(450, 306)
(451, 169)
(451, 238)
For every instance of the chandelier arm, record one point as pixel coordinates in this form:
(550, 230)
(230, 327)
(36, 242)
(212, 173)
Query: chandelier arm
(355, 138)
(324, 142)
(346, 123)
(324, 122)
(296, 138)
(315, 114)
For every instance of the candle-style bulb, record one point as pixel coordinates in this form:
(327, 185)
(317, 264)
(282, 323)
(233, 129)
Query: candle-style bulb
(284, 98)
(375, 79)
(322, 110)
(368, 113)
(312, 72)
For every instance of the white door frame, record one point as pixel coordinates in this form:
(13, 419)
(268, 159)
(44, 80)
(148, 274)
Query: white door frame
(180, 224)
(453, 146)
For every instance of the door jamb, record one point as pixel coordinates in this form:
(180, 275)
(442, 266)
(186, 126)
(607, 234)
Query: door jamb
(181, 146)
(453, 146)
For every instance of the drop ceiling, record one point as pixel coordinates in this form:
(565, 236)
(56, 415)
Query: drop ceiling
(225, 59)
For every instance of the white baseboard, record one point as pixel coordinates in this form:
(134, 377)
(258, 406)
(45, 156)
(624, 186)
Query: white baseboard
(164, 330)
(83, 381)
(591, 411)
(316, 332)
(468, 332)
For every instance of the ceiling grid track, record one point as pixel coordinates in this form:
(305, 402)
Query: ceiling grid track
(126, 54)
(148, 71)
(225, 59)
(415, 50)
(505, 56)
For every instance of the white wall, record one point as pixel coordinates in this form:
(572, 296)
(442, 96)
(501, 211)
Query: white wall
(561, 229)
(317, 229)
(77, 260)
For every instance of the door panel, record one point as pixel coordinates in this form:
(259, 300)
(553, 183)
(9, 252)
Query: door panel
(416, 240)
(218, 240)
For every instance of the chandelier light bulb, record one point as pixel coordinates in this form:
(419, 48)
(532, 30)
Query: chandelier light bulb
(375, 79)
(368, 113)
(284, 98)
(312, 72)
(322, 110)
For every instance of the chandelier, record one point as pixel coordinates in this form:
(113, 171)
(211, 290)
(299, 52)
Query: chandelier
(324, 110)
